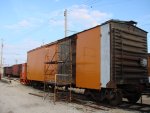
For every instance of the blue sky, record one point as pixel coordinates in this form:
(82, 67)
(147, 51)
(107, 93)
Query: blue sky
(27, 24)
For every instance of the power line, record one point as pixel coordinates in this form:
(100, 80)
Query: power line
(95, 2)
(91, 3)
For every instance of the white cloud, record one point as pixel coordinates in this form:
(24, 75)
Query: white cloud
(56, 22)
(19, 25)
(80, 17)
(28, 24)
(88, 17)
(13, 52)
(24, 23)
(79, 13)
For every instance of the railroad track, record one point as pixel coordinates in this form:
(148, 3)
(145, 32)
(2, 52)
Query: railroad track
(144, 108)
(80, 99)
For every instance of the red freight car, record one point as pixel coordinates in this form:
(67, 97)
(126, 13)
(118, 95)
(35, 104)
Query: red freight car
(16, 70)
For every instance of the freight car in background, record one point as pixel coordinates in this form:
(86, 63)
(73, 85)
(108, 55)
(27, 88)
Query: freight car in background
(13, 71)
(16, 70)
(8, 71)
(109, 61)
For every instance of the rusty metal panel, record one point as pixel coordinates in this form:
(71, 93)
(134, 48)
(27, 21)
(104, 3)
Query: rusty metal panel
(129, 54)
(64, 55)
(88, 59)
(67, 55)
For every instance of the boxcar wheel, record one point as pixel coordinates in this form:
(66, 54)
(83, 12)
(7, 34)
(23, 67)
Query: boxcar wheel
(88, 94)
(133, 98)
(117, 99)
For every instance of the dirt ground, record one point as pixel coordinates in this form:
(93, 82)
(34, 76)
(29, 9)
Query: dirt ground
(15, 98)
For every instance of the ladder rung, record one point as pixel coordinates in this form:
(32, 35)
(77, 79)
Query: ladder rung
(54, 62)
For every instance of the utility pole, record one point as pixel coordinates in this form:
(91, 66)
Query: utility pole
(1, 71)
(65, 15)
(16, 61)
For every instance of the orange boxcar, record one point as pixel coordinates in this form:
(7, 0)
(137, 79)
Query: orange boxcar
(110, 56)
(102, 57)
(36, 62)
